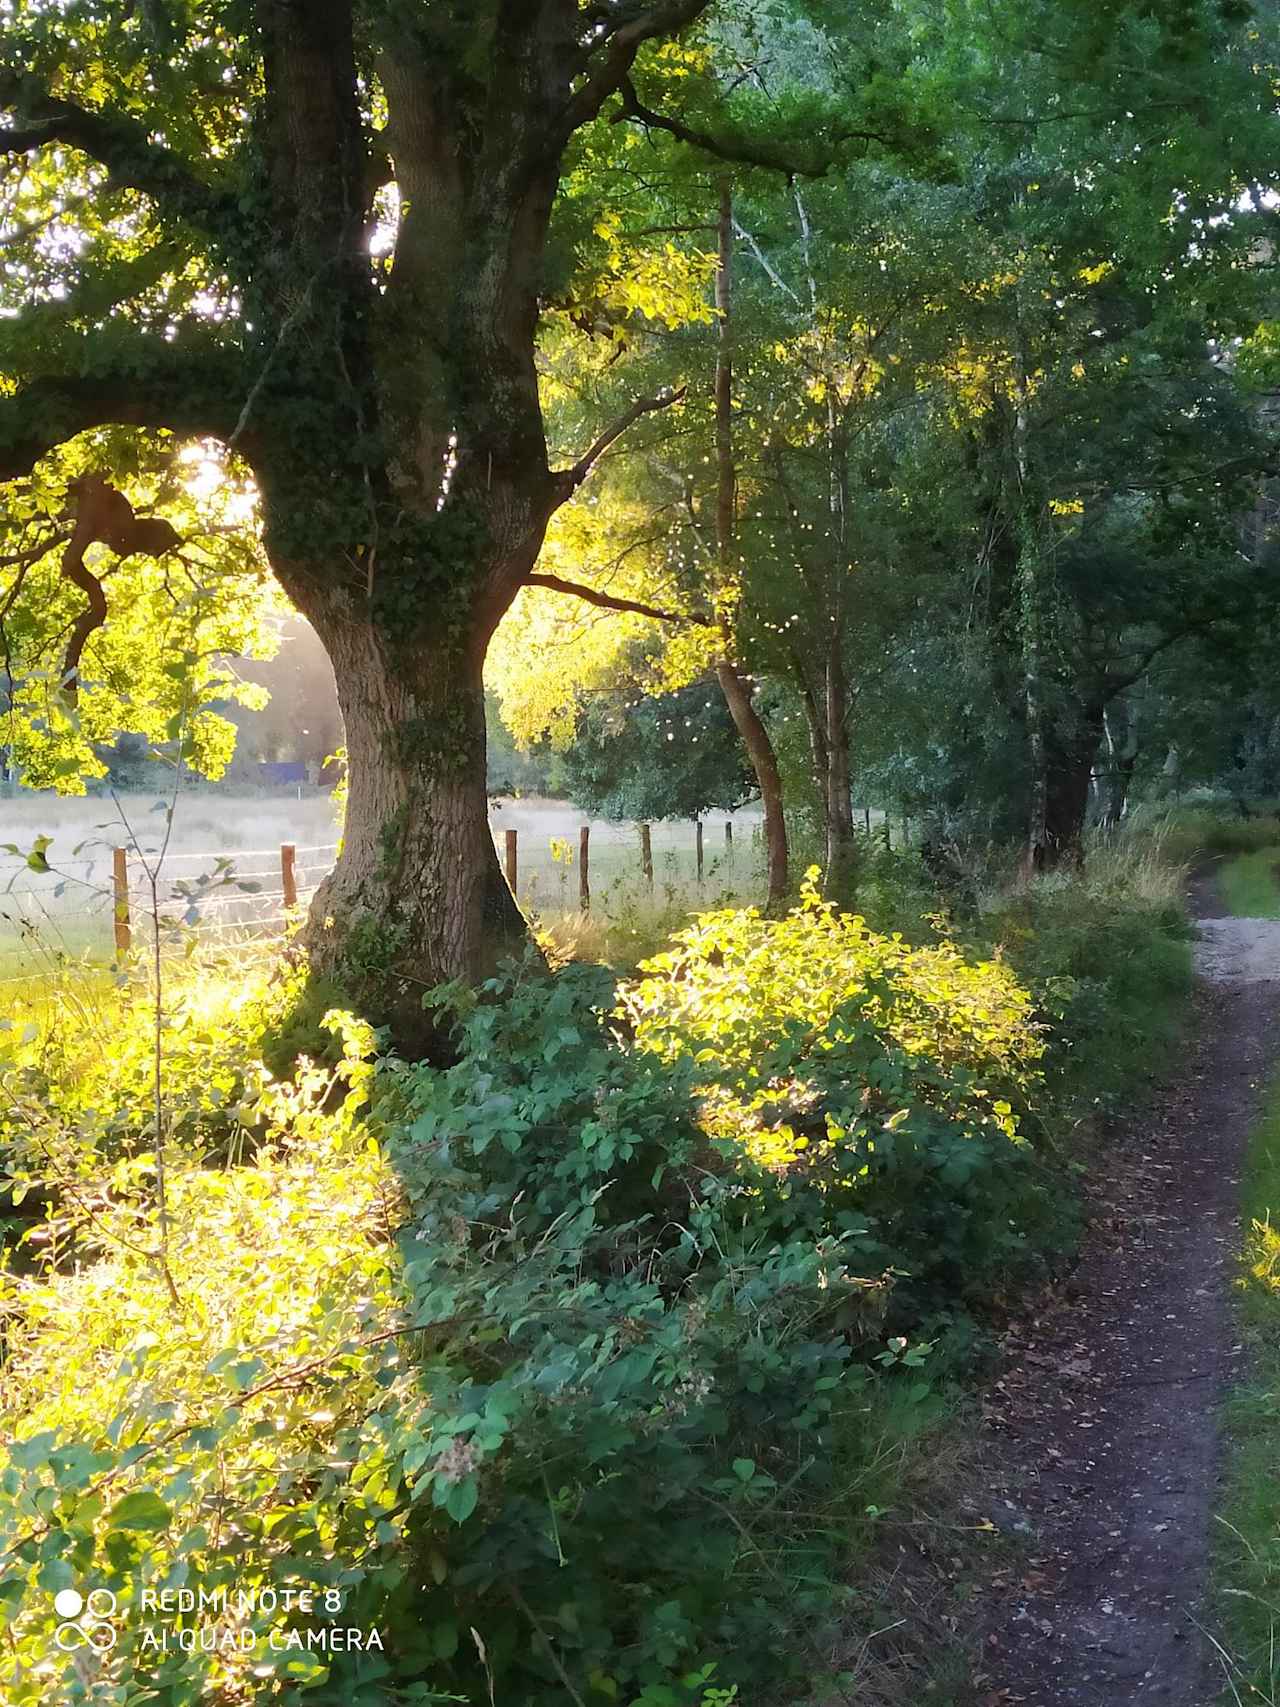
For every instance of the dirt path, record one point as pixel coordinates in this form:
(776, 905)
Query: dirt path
(1106, 1413)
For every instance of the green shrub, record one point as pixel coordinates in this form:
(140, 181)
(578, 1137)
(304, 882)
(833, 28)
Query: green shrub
(875, 1086)
(1192, 833)
(207, 1407)
(662, 1340)
(1110, 972)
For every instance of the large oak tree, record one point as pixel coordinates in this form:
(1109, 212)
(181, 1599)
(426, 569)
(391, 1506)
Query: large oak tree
(222, 177)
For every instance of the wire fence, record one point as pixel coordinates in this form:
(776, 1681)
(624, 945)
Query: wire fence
(90, 905)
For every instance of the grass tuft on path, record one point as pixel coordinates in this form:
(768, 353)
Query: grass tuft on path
(1251, 884)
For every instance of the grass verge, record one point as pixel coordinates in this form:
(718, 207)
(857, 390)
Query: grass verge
(1247, 1549)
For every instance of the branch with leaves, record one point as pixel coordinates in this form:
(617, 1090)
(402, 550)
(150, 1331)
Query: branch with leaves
(613, 601)
(124, 145)
(742, 150)
(192, 385)
(568, 480)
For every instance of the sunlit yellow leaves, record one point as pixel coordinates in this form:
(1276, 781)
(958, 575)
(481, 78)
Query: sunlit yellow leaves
(735, 985)
(552, 650)
(680, 59)
(663, 283)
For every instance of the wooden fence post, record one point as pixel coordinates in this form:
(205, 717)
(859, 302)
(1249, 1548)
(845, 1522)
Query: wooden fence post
(697, 845)
(728, 839)
(120, 887)
(288, 875)
(646, 854)
(584, 868)
(512, 859)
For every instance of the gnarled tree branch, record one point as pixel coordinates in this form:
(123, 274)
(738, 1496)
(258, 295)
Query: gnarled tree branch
(607, 60)
(117, 141)
(192, 387)
(569, 479)
(103, 516)
(608, 601)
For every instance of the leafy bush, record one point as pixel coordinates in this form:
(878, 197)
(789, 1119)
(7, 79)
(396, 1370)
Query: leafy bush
(660, 1339)
(497, 1387)
(207, 1405)
(875, 1082)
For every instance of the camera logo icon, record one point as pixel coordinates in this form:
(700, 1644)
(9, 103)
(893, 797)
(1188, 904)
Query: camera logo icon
(84, 1620)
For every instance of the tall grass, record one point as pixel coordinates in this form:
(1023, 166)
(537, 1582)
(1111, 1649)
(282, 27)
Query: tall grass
(1190, 834)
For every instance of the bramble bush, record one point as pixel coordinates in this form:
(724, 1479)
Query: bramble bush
(878, 1083)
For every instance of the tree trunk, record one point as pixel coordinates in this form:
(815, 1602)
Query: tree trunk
(1039, 855)
(764, 762)
(1121, 733)
(417, 897)
(1071, 754)
(746, 719)
(842, 846)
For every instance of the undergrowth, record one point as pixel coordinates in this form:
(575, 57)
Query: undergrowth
(608, 1365)
(1194, 833)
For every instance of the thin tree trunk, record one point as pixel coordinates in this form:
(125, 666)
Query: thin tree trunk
(1120, 730)
(817, 733)
(1033, 688)
(842, 847)
(1031, 627)
(733, 684)
(764, 762)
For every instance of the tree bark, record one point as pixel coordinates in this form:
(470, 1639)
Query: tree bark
(842, 845)
(417, 897)
(764, 762)
(1120, 730)
(737, 693)
(1070, 755)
